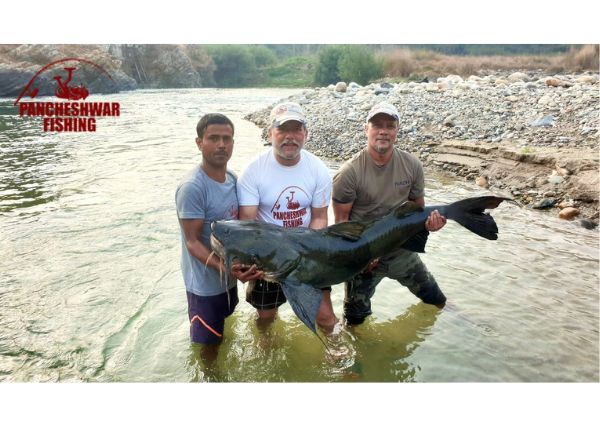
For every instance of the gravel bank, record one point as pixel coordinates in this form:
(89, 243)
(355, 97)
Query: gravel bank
(529, 135)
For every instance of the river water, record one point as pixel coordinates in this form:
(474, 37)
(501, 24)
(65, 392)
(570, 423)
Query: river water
(91, 290)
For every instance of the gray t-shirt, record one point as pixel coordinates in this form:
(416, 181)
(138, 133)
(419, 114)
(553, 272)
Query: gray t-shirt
(200, 197)
(376, 190)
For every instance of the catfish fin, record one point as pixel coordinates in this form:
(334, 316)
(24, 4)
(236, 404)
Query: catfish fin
(305, 301)
(286, 268)
(351, 230)
(469, 213)
(407, 208)
(417, 242)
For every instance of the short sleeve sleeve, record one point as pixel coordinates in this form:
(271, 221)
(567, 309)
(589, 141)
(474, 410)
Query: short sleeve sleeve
(417, 189)
(322, 193)
(247, 187)
(191, 201)
(344, 185)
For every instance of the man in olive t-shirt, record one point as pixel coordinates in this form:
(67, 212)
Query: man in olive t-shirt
(367, 187)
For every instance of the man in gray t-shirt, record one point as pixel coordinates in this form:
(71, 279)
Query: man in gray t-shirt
(367, 187)
(208, 193)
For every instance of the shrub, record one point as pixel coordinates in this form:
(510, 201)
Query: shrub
(327, 71)
(263, 56)
(235, 65)
(583, 58)
(399, 63)
(347, 63)
(358, 64)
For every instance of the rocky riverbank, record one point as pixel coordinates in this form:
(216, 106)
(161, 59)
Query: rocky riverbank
(533, 137)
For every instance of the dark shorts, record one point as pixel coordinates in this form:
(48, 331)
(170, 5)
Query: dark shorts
(264, 295)
(407, 268)
(207, 315)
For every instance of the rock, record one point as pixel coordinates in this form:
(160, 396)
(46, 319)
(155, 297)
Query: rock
(14, 77)
(450, 121)
(565, 204)
(587, 79)
(562, 171)
(584, 186)
(544, 204)
(545, 121)
(545, 100)
(588, 224)
(555, 82)
(354, 86)
(517, 76)
(381, 90)
(341, 87)
(481, 181)
(568, 213)
(555, 179)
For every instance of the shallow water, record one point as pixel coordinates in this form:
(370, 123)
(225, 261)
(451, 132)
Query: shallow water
(90, 286)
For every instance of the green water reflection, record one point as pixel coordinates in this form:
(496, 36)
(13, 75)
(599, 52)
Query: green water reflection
(371, 352)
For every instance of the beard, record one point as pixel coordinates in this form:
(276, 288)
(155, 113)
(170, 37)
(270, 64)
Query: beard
(382, 149)
(293, 155)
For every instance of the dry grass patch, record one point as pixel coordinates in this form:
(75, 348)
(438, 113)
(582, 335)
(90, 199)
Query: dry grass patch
(412, 64)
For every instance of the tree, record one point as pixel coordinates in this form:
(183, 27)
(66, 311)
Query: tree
(263, 56)
(326, 71)
(347, 63)
(358, 64)
(235, 65)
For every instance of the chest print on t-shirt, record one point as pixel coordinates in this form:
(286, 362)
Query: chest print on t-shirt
(290, 207)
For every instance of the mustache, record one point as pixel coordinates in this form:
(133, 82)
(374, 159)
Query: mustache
(291, 142)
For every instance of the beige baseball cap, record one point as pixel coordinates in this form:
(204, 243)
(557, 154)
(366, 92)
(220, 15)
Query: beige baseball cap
(286, 111)
(383, 108)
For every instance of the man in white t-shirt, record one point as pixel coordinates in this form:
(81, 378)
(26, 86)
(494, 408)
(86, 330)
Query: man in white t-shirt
(289, 187)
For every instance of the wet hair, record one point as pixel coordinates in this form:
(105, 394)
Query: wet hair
(209, 119)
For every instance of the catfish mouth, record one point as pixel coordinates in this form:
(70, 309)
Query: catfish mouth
(217, 246)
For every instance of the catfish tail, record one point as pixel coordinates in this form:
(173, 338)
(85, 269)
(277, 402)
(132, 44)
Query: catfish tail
(470, 214)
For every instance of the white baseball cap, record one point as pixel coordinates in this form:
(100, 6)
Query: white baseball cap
(286, 111)
(383, 108)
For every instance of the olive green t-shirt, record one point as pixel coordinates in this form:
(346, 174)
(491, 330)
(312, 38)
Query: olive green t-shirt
(375, 190)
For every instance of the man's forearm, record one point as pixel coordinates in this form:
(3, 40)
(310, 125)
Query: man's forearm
(317, 223)
(203, 254)
(341, 212)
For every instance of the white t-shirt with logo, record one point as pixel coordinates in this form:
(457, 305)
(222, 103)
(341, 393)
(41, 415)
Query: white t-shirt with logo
(284, 194)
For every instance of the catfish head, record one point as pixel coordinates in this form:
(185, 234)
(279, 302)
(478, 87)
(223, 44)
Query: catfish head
(251, 242)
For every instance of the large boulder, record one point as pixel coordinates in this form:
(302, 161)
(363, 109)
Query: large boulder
(341, 87)
(23, 62)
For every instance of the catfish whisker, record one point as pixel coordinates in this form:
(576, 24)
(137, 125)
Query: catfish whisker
(209, 257)
(222, 266)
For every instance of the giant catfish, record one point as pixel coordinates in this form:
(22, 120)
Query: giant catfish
(303, 260)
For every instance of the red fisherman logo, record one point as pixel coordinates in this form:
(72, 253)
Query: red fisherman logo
(287, 207)
(64, 91)
(70, 115)
(233, 212)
